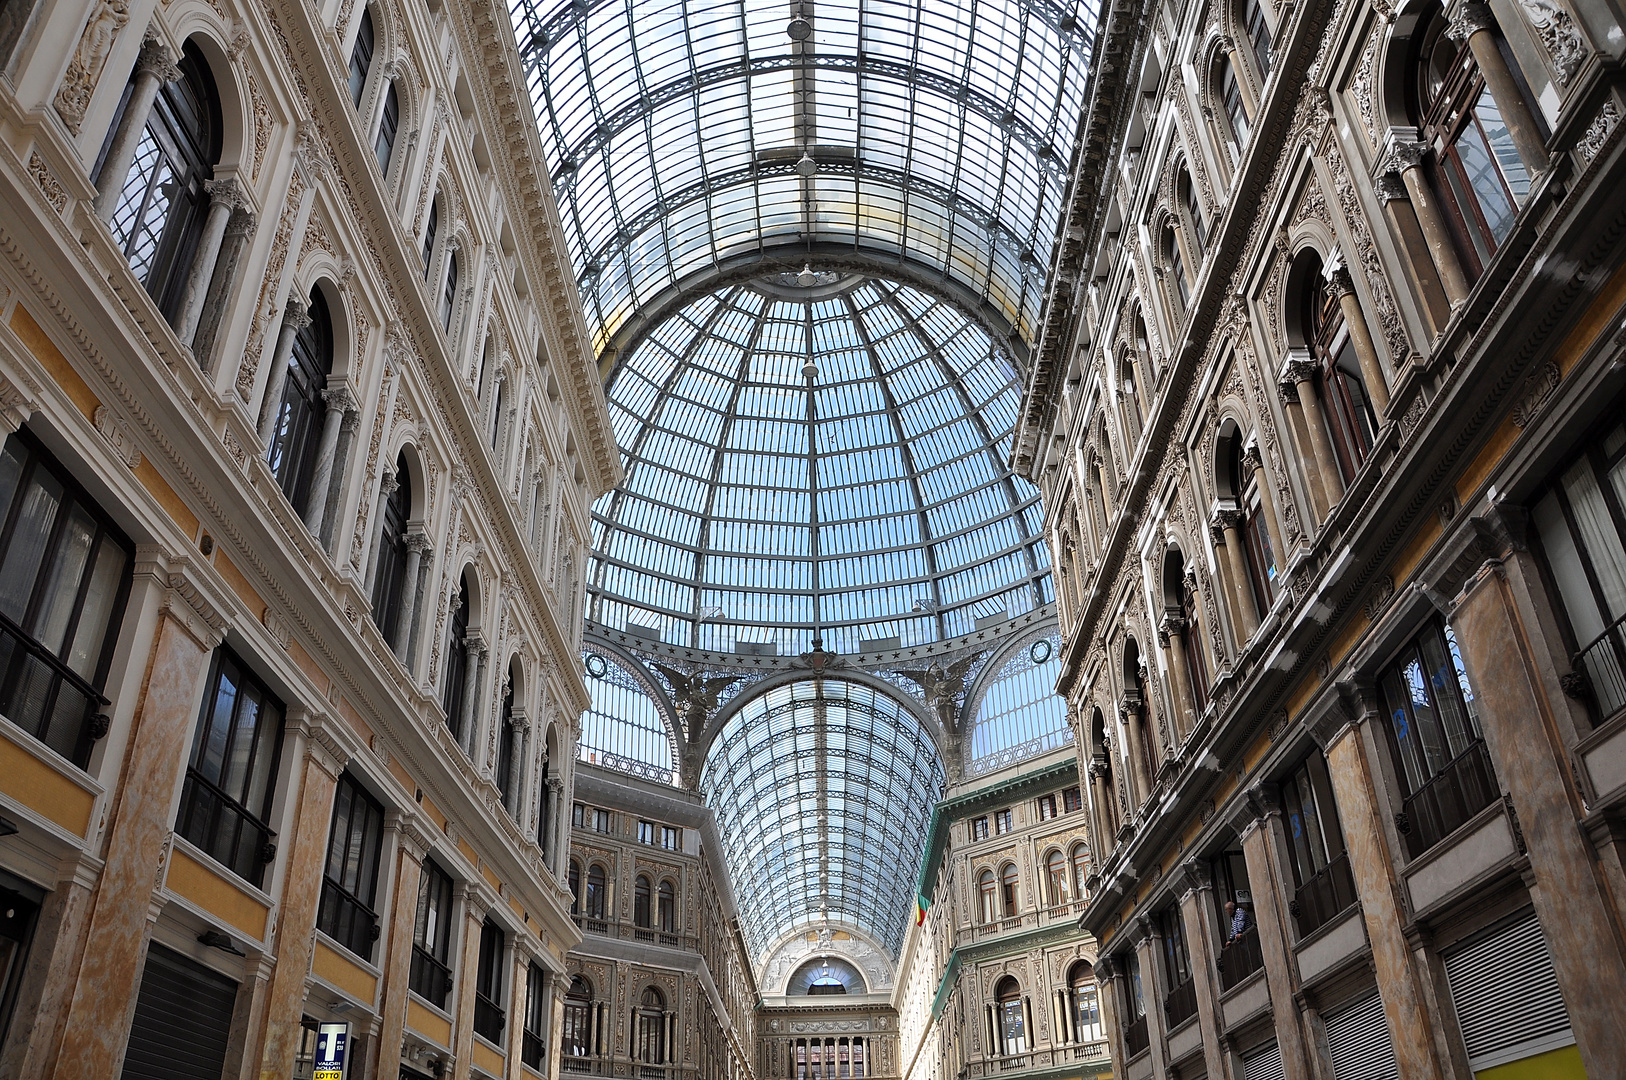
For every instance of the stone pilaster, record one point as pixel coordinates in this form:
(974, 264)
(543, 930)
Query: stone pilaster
(413, 841)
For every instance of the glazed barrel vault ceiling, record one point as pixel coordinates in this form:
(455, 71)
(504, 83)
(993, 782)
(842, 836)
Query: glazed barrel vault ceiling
(811, 241)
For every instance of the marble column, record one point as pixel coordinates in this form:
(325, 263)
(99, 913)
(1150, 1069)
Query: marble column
(225, 196)
(514, 797)
(386, 487)
(294, 319)
(1105, 838)
(1403, 225)
(1360, 336)
(1141, 780)
(217, 302)
(97, 1022)
(1503, 642)
(341, 469)
(476, 902)
(1301, 371)
(1270, 918)
(1226, 529)
(1202, 941)
(475, 650)
(1406, 158)
(519, 981)
(558, 987)
(155, 66)
(1253, 460)
(340, 403)
(413, 841)
(1405, 1004)
(1110, 993)
(555, 797)
(1474, 23)
(324, 759)
(417, 542)
(1172, 636)
(419, 593)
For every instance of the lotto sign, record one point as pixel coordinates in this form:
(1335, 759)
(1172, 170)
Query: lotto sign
(331, 1040)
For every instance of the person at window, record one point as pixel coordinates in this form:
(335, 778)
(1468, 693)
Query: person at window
(1238, 919)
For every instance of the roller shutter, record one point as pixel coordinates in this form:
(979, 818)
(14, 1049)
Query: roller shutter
(1507, 997)
(182, 1020)
(1264, 1063)
(1358, 1041)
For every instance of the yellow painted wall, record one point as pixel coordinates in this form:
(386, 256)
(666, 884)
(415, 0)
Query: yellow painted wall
(1561, 1064)
(420, 1019)
(489, 1060)
(41, 788)
(345, 973)
(215, 893)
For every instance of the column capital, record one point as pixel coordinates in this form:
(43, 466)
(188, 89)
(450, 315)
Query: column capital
(518, 722)
(1468, 19)
(156, 58)
(241, 222)
(417, 540)
(475, 643)
(1389, 187)
(1299, 368)
(1338, 277)
(388, 483)
(1223, 520)
(294, 314)
(227, 193)
(190, 597)
(339, 396)
(1404, 154)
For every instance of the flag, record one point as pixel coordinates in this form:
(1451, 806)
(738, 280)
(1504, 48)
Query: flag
(921, 904)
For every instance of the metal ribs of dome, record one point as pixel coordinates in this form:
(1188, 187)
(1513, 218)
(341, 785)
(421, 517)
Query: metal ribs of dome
(874, 502)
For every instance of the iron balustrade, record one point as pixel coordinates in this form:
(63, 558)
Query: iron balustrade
(1136, 1037)
(533, 1050)
(429, 978)
(47, 698)
(1180, 1004)
(1239, 959)
(1322, 897)
(1056, 1057)
(488, 1018)
(1456, 793)
(225, 829)
(347, 920)
(1603, 660)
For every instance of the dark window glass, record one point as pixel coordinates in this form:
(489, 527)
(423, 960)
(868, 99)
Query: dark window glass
(1012, 1023)
(641, 897)
(1315, 846)
(1235, 112)
(1196, 668)
(158, 218)
(384, 145)
(429, 237)
(361, 57)
(19, 911)
(1007, 889)
(1351, 420)
(533, 1050)
(390, 584)
(1445, 773)
(1047, 807)
(1177, 267)
(1071, 800)
(1240, 955)
(667, 908)
(577, 1026)
(1253, 17)
(489, 1016)
(448, 295)
(350, 879)
(651, 1016)
(299, 417)
(596, 892)
(230, 772)
(505, 742)
(457, 661)
(1055, 872)
(1002, 822)
(431, 975)
(979, 828)
(1180, 1003)
(64, 578)
(543, 839)
(575, 887)
(1194, 216)
(1081, 871)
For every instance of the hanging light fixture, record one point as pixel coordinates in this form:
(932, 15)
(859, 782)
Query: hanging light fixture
(806, 166)
(807, 278)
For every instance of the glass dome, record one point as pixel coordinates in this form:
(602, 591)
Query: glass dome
(828, 460)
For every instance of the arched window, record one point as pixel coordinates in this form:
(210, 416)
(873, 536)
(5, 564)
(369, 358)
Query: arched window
(651, 1035)
(1129, 395)
(1236, 113)
(448, 295)
(1007, 890)
(361, 57)
(577, 1027)
(1477, 170)
(666, 908)
(1009, 1013)
(988, 896)
(1143, 344)
(457, 659)
(1135, 687)
(388, 121)
(298, 430)
(1258, 556)
(1258, 31)
(597, 892)
(1086, 1007)
(1055, 872)
(158, 217)
(1351, 422)
(497, 417)
(1081, 870)
(1192, 209)
(641, 914)
(505, 739)
(1175, 260)
(429, 236)
(389, 582)
(575, 887)
(1180, 601)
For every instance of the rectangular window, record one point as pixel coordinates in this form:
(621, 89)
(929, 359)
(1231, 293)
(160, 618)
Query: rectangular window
(19, 910)
(431, 975)
(578, 815)
(1239, 938)
(1002, 822)
(979, 828)
(600, 820)
(1180, 1003)
(231, 772)
(488, 1014)
(1071, 800)
(534, 1049)
(1315, 846)
(1047, 807)
(1445, 772)
(671, 838)
(64, 577)
(350, 879)
(648, 832)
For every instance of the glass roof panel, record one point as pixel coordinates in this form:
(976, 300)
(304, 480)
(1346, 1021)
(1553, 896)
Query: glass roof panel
(1020, 715)
(822, 790)
(623, 727)
(883, 475)
(938, 130)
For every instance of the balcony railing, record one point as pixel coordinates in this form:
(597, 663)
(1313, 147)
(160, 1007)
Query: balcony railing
(633, 932)
(1027, 920)
(533, 1050)
(429, 978)
(1180, 1004)
(47, 698)
(1323, 897)
(347, 920)
(223, 828)
(1240, 958)
(1604, 661)
(1136, 1037)
(1036, 1059)
(1456, 793)
(488, 1019)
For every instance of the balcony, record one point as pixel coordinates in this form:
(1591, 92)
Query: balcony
(1322, 897)
(1456, 793)
(1604, 662)
(47, 698)
(429, 978)
(1180, 1004)
(488, 1019)
(1240, 959)
(1137, 1037)
(1027, 920)
(1060, 1057)
(627, 931)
